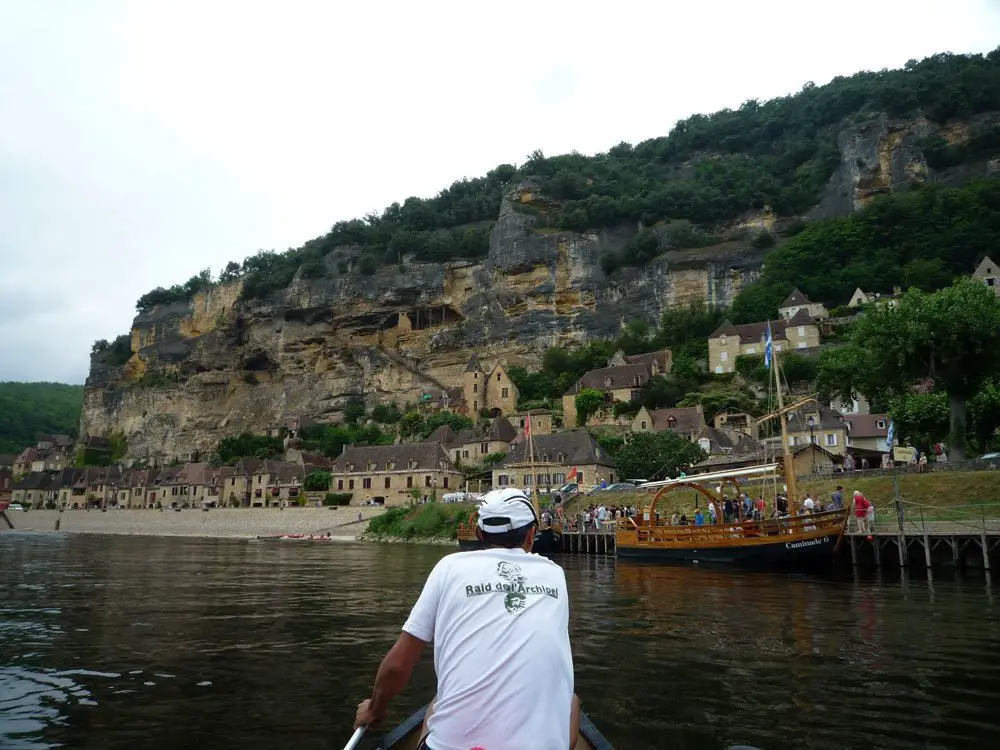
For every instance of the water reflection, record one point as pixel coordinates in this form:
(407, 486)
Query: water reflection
(117, 642)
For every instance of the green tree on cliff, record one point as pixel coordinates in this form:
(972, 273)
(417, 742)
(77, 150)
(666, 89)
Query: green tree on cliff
(656, 455)
(950, 338)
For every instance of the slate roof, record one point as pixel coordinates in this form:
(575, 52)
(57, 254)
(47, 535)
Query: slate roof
(661, 359)
(866, 425)
(795, 298)
(428, 456)
(621, 376)
(577, 448)
(443, 434)
(757, 331)
(686, 419)
(473, 365)
(7, 460)
(828, 418)
(498, 429)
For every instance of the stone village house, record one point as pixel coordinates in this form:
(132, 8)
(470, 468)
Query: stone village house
(987, 272)
(621, 381)
(798, 301)
(553, 460)
(393, 474)
(730, 341)
(687, 421)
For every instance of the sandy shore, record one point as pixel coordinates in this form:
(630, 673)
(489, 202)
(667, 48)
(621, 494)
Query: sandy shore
(238, 523)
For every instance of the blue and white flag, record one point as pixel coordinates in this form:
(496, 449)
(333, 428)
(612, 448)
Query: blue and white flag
(890, 436)
(768, 351)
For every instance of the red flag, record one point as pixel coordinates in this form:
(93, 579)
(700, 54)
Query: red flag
(571, 475)
(527, 426)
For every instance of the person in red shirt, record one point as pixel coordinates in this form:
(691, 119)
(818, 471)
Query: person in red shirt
(861, 505)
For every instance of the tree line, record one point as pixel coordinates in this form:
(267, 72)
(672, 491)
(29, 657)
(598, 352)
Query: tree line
(708, 170)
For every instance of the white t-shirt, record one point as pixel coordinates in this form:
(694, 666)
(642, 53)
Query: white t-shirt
(499, 622)
(808, 504)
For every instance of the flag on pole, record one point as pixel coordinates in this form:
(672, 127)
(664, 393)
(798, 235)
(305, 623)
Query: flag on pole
(890, 437)
(527, 425)
(768, 351)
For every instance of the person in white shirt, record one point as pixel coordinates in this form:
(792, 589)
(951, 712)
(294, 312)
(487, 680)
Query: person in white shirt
(499, 621)
(808, 505)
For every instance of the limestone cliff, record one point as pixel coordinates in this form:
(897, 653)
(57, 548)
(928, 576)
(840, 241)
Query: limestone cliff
(217, 365)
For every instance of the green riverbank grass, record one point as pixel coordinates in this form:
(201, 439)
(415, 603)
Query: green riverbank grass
(431, 522)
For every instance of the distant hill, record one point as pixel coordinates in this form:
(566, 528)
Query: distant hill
(28, 410)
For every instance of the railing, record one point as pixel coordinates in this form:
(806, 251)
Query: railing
(933, 520)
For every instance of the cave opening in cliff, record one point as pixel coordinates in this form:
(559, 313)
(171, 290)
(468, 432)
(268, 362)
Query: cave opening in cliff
(428, 317)
(258, 362)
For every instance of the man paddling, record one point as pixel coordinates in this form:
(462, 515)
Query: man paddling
(499, 621)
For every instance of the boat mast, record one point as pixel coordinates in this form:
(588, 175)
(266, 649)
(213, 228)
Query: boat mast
(789, 469)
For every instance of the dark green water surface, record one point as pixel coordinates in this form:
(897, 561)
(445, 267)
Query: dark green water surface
(128, 642)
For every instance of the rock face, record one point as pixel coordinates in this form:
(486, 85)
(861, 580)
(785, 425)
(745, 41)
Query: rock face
(216, 366)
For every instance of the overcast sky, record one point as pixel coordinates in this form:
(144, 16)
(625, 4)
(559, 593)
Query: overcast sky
(143, 141)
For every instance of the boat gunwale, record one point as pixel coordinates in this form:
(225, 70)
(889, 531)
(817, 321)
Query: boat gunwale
(588, 731)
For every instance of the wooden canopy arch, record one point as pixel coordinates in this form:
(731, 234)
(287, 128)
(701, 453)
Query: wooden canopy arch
(731, 481)
(671, 487)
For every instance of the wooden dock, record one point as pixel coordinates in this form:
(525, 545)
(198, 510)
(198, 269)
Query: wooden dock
(912, 542)
(590, 541)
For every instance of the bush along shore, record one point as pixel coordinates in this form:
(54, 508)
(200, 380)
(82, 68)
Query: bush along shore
(432, 523)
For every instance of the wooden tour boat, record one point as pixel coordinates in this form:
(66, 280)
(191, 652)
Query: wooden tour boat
(788, 541)
(407, 735)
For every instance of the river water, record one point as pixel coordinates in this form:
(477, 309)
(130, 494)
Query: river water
(141, 642)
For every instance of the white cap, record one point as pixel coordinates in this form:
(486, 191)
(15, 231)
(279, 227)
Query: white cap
(505, 510)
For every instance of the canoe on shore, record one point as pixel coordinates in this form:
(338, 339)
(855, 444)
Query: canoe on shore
(293, 538)
(406, 736)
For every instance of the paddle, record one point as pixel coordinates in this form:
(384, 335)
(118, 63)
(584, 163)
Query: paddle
(355, 738)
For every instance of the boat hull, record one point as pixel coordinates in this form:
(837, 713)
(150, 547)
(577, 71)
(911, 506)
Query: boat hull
(547, 541)
(406, 736)
(791, 554)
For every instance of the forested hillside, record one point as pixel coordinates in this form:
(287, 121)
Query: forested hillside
(709, 170)
(28, 410)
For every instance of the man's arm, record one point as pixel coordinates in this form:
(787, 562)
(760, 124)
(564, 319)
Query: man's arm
(393, 675)
(395, 670)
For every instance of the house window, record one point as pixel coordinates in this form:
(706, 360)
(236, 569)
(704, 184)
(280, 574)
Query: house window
(412, 464)
(522, 422)
(475, 387)
(484, 448)
(388, 466)
(579, 478)
(831, 439)
(793, 441)
(350, 484)
(802, 345)
(465, 454)
(560, 457)
(671, 421)
(445, 480)
(642, 425)
(723, 356)
(752, 350)
(366, 483)
(718, 370)
(427, 481)
(544, 480)
(880, 424)
(503, 480)
(504, 392)
(340, 484)
(722, 340)
(409, 482)
(475, 406)
(635, 396)
(989, 281)
(559, 479)
(498, 377)
(802, 330)
(636, 381)
(527, 480)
